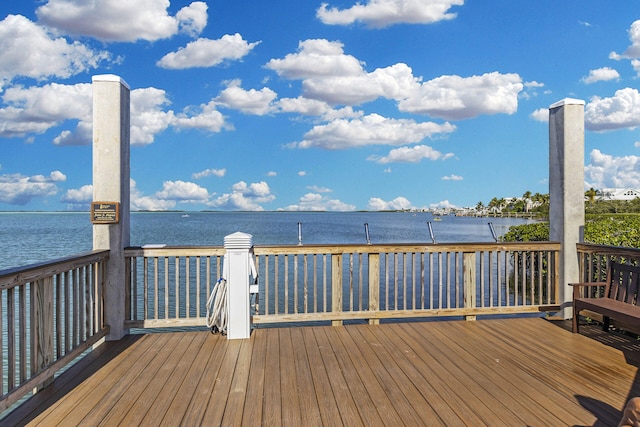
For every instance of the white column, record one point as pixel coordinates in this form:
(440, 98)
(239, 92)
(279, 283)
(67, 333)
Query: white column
(566, 191)
(237, 271)
(111, 115)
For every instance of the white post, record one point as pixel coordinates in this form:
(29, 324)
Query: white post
(111, 118)
(237, 271)
(566, 191)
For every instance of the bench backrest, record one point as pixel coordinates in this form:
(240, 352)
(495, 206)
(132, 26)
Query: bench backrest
(622, 282)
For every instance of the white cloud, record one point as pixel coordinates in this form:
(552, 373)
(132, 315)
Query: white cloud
(455, 97)
(317, 189)
(78, 199)
(139, 202)
(184, 192)
(318, 202)
(82, 135)
(147, 203)
(618, 112)
(34, 110)
(172, 193)
(540, 115)
(601, 74)
(258, 102)
(452, 178)
(313, 107)
(394, 82)
(607, 171)
(443, 204)
(635, 63)
(193, 19)
(18, 189)
(382, 13)
(27, 49)
(330, 76)
(244, 197)
(410, 155)
(148, 117)
(207, 52)
(316, 58)
(397, 204)
(530, 89)
(302, 173)
(206, 117)
(115, 20)
(633, 51)
(370, 130)
(272, 173)
(37, 109)
(210, 172)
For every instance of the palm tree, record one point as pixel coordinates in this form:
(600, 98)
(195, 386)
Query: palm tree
(591, 194)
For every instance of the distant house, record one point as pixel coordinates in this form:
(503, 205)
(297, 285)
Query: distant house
(618, 194)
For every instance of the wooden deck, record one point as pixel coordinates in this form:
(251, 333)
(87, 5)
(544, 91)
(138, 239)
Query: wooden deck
(507, 372)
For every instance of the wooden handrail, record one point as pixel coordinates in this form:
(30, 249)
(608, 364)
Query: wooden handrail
(53, 312)
(316, 282)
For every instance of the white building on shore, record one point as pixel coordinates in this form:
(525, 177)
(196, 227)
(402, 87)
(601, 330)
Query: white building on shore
(618, 194)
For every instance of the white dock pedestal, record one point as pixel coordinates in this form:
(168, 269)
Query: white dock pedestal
(238, 272)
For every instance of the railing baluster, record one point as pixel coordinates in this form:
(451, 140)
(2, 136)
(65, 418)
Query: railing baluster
(156, 285)
(11, 339)
(22, 332)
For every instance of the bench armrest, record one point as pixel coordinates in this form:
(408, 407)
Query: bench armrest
(577, 286)
(588, 284)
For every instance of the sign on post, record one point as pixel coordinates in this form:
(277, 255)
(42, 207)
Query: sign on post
(105, 212)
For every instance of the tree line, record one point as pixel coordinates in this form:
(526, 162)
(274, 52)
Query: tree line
(607, 222)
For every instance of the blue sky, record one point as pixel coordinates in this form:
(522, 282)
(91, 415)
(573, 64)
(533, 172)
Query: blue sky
(303, 105)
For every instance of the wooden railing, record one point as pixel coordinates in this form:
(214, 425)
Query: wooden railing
(169, 286)
(310, 283)
(50, 313)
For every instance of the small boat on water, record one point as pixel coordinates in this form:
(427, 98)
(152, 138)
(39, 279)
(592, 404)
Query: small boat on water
(437, 218)
(186, 216)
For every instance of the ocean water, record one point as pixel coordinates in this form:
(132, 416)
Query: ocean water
(29, 237)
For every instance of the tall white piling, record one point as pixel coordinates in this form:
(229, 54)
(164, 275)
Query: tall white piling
(566, 191)
(111, 171)
(237, 268)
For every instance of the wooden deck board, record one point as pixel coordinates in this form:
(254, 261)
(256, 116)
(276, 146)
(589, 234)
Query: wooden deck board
(489, 372)
(345, 402)
(574, 372)
(308, 400)
(252, 414)
(438, 411)
(205, 361)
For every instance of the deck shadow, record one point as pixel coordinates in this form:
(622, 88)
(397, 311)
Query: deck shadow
(628, 345)
(83, 369)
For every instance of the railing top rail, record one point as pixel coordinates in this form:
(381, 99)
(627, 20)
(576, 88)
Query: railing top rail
(19, 275)
(403, 247)
(607, 249)
(165, 250)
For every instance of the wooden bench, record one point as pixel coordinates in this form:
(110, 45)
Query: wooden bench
(618, 300)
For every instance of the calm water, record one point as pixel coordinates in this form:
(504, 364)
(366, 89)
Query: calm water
(27, 238)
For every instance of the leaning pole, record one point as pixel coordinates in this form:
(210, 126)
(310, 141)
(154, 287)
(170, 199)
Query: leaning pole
(566, 191)
(110, 206)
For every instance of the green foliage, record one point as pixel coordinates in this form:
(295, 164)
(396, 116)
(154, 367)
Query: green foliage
(535, 232)
(613, 206)
(614, 230)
